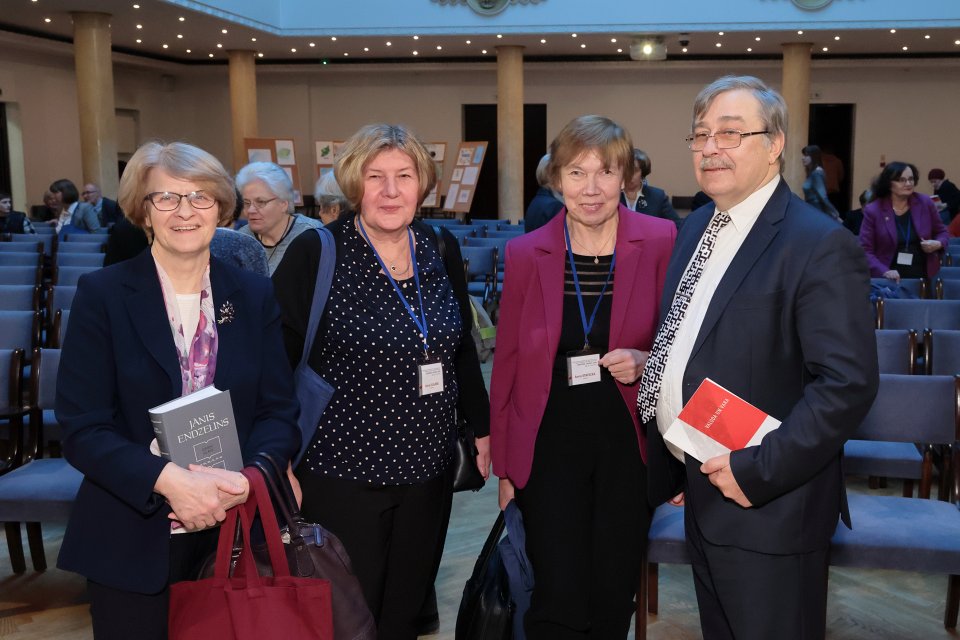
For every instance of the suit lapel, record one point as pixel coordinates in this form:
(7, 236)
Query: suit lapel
(686, 244)
(550, 254)
(143, 304)
(761, 235)
(230, 316)
(629, 249)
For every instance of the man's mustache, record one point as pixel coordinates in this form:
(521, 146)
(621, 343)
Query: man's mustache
(714, 163)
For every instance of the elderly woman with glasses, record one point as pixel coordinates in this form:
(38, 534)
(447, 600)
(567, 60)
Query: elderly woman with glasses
(161, 325)
(902, 233)
(268, 197)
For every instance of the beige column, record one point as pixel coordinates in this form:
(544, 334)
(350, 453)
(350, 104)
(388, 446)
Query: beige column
(510, 131)
(796, 93)
(98, 117)
(243, 102)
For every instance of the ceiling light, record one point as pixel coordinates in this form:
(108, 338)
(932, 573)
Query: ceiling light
(757, 38)
(416, 37)
(139, 41)
(136, 6)
(956, 42)
(439, 48)
(613, 40)
(619, 50)
(179, 36)
(543, 41)
(366, 48)
(293, 50)
(219, 46)
(573, 35)
(800, 33)
(333, 38)
(749, 49)
(483, 51)
(648, 48)
(166, 46)
(260, 55)
(468, 42)
(209, 55)
(906, 48)
(253, 39)
(583, 46)
(719, 44)
(313, 44)
(389, 44)
(893, 30)
(825, 49)
(500, 36)
(416, 53)
(720, 33)
(685, 49)
(181, 18)
(189, 51)
(926, 37)
(139, 26)
(48, 20)
(223, 31)
(836, 37)
(345, 54)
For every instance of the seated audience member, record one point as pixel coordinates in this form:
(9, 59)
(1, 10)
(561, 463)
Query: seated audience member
(108, 211)
(268, 201)
(49, 210)
(331, 203)
(75, 216)
(948, 193)
(854, 218)
(546, 202)
(12, 221)
(641, 197)
(902, 233)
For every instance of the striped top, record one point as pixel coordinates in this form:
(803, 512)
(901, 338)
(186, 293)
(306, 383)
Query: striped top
(591, 276)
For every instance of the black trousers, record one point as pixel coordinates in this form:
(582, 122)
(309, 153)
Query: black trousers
(586, 517)
(757, 596)
(120, 615)
(391, 533)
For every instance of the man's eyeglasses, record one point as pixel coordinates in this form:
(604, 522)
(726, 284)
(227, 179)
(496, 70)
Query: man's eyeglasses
(259, 203)
(166, 201)
(727, 139)
(906, 180)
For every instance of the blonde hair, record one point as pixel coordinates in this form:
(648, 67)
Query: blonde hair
(609, 140)
(182, 161)
(370, 141)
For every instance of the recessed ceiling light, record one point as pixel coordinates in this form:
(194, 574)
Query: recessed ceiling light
(906, 48)
(719, 44)
(345, 54)
(139, 26)
(139, 41)
(483, 51)
(389, 44)
(500, 36)
(313, 44)
(583, 46)
(416, 53)
(209, 55)
(573, 35)
(223, 31)
(836, 37)
(543, 41)
(333, 38)
(893, 30)
(181, 18)
(366, 48)
(720, 33)
(685, 49)
(293, 50)
(749, 49)
(179, 36)
(260, 55)
(189, 51)
(468, 42)
(800, 33)
(416, 37)
(136, 6)
(826, 49)
(619, 50)
(439, 48)
(48, 20)
(219, 46)
(166, 46)
(253, 39)
(613, 40)
(757, 38)
(926, 37)
(956, 42)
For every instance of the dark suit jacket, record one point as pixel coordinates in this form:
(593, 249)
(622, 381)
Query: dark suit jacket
(118, 361)
(950, 196)
(657, 204)
(878, 232)
(531, 314)
(110, 212)
(789, 329)
(542, 209)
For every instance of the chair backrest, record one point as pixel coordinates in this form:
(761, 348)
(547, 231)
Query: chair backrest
(897, 351)
(43, 394)
(946, 289)
(950, 273)
(499, 243)
(918, 314)
(80, 247)
(442, 222)
(45, 229)
(19, 329)
(80, 259)
(95, 236)
(21, 259)
(59, 297)
(481, 262)
(504, 233)
(941, 352)
(920, 287)
(461, 233)
(19, 297)
(21, 275)
(487, 223)
(11, 377)
(20, 247)
(49, 242)
(913, 409)
(70, 275)
(59, 330)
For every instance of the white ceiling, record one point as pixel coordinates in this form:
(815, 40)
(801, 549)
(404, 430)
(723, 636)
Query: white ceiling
(174, 33)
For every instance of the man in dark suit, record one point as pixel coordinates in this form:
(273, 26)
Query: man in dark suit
(643, 198)
(108, 211)
(545, 203)
(779, 316)
(947, 192)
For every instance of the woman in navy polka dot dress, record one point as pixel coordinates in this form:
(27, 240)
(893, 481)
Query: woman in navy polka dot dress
(395, 343)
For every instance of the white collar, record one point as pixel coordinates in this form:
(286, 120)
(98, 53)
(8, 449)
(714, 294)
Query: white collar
(745, 213)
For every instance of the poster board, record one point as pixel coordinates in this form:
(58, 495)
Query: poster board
(438, 151)
(327, 153)
(280, 151)
(463, 180)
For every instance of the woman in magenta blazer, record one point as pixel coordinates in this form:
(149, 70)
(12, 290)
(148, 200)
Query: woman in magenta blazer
(577, 319)
(902, 233)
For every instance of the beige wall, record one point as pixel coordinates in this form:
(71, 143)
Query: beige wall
(905, 111)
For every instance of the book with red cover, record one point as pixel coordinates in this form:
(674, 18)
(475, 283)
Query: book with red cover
(715, 421)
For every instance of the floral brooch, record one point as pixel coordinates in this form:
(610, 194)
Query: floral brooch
(226, 313)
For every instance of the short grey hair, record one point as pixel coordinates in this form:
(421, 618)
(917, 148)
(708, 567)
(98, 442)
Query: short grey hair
(543, 175)
(773, 109)
(270, 174)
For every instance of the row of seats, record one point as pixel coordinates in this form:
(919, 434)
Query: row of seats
(37, 312)
(50, 244)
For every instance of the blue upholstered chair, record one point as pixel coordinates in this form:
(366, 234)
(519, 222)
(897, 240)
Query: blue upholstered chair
(21, 259)
(505, 233)
(20, 247)
(480, 265)
(19, 297)
(80, 259)
(19, 330)
(59, 329)
(21, 275)
(950, 273)
(941, 352)
(41, 489)
(897, 350)
(946, 289)
(918, 314)
(80, 247)
(462, 232)
(49, 242)
(488, 224)
(11, 404)
(69, 276)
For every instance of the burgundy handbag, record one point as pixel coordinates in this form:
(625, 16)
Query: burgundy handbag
(249, 606)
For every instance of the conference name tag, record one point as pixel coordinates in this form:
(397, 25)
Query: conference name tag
(430, 377)
(905, 258)
(583, 367)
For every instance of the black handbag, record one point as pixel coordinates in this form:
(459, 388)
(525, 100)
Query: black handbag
(312, 552)
(486, 611)
(466, 475)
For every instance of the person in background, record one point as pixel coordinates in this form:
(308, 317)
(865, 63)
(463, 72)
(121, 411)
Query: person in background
(948, 193)
(854, 218)
(643, 198)
(13, 221)
(75, 216)
(902, 233)
(170, 321)
(577, 317)
(546, 202)
(267, 194)
(394, 342)
(331, 203)
(815, 187)
(49, 210)
(108, 211)
(833, 174)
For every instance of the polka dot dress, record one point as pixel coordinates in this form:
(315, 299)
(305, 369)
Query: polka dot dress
(377, 428)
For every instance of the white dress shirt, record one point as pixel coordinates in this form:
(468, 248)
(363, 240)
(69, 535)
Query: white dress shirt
(66, 216)
(729, 240)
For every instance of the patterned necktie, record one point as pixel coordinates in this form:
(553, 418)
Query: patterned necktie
(653, 371)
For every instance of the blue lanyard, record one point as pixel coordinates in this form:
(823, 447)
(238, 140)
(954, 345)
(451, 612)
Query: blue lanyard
(587, 326)
(906, 234)
(421, 322)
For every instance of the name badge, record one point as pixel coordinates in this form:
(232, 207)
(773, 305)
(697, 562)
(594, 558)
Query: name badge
(904, 258)
(583, 367)
(430, 377)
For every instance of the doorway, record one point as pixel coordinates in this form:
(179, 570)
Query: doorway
(479, 124)
(831, 129)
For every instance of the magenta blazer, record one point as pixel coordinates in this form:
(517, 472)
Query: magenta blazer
(878, 233)
(531, 312)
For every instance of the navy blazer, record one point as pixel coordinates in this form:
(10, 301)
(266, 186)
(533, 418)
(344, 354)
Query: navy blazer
(118, 361)
(789, 329)
(657, 204)
(110, 212)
